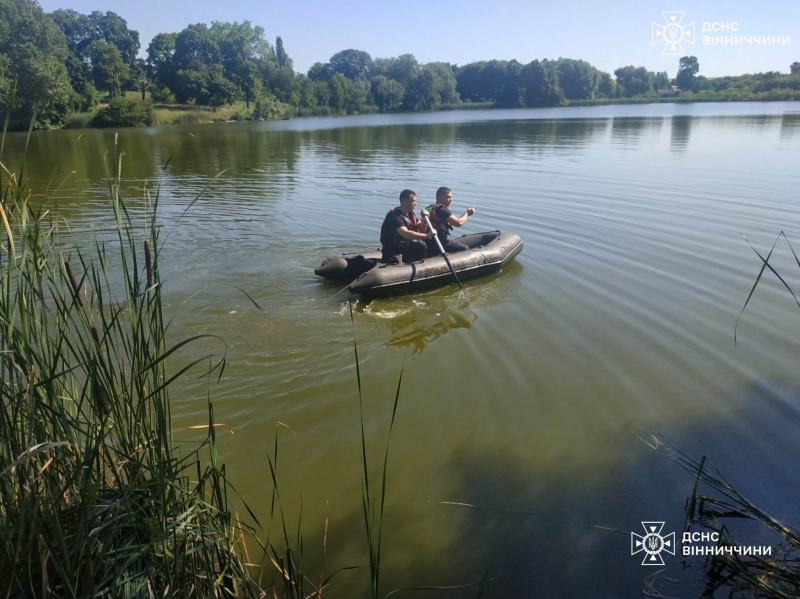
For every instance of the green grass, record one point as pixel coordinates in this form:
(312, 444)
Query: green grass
(96, 498)
(78, 120)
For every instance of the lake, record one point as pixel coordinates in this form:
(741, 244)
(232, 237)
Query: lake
(523, 394)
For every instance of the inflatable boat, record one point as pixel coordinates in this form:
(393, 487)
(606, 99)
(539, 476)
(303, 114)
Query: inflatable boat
(488, 252)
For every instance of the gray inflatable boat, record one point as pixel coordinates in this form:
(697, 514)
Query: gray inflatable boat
(488, 253)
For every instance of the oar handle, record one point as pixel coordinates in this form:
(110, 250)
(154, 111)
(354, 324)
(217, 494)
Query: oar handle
(435, 236)
(441, 249)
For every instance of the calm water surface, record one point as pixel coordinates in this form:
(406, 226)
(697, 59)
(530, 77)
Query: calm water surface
(520, 392)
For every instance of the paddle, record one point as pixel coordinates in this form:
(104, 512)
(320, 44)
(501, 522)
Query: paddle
(441, 249)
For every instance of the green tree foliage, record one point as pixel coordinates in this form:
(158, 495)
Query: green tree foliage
(388, 93)
(319, 72)
(33, 53)
(283, 82)
(109, 71)
(243, 50)
(267, 106)
(358, 96)
(283, 59)
(606, 86)
(206, 85)
(634, 81)
(353, 64)
(222, 63)
(539, 84)
(495, 80)
(661, 80)
(160, 64)
(338, 86)
(83, 32)
(434, 85)
(794, 69)
(577, 78)
(688, 67)
(402, 68)
(307, 96)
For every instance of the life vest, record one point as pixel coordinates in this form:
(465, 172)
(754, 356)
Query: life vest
(442, 227)
(395, 240)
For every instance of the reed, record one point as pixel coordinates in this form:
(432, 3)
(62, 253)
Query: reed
(373, 502)
(717, 509)
(96, 497)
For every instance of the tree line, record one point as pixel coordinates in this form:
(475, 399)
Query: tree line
(65, 62)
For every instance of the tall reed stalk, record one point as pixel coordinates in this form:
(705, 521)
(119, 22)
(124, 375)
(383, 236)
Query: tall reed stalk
(96, 499)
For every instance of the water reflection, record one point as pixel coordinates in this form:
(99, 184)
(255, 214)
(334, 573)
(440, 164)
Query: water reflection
(201, 150)
(408, 331)
(628, 132)
(680, 132)
(790, 126)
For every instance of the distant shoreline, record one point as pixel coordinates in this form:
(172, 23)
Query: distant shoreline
(193, 114)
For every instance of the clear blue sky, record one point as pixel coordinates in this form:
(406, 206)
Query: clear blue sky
(607, 34)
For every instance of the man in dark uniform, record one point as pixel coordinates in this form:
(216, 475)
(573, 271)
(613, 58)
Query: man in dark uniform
(402, 234)
(443, 220)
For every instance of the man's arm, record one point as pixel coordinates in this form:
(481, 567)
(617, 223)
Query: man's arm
(407, 233)
(458, 221)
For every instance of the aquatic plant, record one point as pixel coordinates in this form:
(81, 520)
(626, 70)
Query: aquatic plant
(97, 499)
(732, 571)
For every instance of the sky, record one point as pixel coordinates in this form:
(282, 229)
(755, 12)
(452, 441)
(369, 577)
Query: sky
(608, 34)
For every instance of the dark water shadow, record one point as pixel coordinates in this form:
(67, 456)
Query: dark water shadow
(563, 530)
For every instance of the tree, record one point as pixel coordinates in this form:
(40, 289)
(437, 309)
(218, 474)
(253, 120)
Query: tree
(470, 82)
(661, 80)
(351, 63)
(794, 69)
(634, 81)
(388, 93)
(402, 68)
(606, 86)
(539, 83)
(159, 59)
(206, 85)
(422, 94)
(108, 69)
(577, 78)
(319, 72)
(82, 31)
(243, 54)
(435, 84)
(284, 61)
(112, 28)
(688, 67)
(358, 96)
(308, 97)
(33, 52)
(338, 86)
(492, 81)
(283, 83)
(445, 81)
